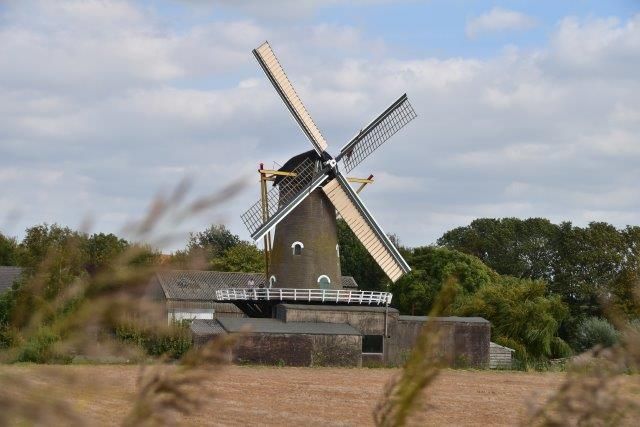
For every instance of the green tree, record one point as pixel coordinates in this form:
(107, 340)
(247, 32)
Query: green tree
(415, 292)
(357, 262)
(522, 315)
(44, 240)
(519, 248)
(213, 242)
(8, 250)
(590, 260)
(102, 249)
(244, 256)
(592, 268)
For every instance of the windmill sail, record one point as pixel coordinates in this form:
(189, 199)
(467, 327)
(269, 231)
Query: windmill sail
(262, 216)
(351, 208)
(272, 68)
(377, 132)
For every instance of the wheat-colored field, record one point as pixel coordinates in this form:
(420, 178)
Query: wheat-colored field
(252, 395)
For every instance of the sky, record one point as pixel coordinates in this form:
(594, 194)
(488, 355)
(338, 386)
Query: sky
(525, 109)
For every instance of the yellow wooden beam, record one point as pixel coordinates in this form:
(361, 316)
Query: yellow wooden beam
(274, 172)
(360, 180)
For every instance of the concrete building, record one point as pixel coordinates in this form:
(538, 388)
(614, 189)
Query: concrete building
(320, 335)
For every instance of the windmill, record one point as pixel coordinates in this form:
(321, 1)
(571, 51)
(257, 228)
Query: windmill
(309, 189)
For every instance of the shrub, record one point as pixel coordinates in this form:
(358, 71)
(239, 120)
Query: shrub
(594, 331)
(173, 340)
(40, 348)
(522, 315)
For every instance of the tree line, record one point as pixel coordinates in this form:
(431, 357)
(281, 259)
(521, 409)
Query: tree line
(546, 288)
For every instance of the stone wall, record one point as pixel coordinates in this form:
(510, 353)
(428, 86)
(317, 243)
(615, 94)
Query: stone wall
(463, 342)
(299, 349)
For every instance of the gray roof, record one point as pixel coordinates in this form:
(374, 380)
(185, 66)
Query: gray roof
(455, 319)
(8, 275)
(275, 326)
(495, 345)
(202, 285)
(206, 327)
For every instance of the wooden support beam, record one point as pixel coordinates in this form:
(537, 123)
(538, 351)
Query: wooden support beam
(361, 180)
(364, 183)
(275, 172)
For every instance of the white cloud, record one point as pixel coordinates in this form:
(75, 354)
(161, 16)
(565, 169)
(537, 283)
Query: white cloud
(498, 19)
(124, 106)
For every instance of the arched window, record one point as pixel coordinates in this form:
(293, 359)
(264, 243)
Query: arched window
(297, 248)
(324, 282)
(272, 281)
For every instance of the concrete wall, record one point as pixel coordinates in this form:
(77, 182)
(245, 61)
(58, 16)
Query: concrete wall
(299, 349)
(463, 341)
(460, 343)
(367, 320)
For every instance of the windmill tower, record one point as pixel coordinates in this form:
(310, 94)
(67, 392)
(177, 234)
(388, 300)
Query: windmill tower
(309, 189)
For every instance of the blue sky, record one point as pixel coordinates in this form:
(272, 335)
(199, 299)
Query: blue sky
(524, 108)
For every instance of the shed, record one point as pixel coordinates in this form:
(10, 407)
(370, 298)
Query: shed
(500, 357)
(191, 294)
(8, 275)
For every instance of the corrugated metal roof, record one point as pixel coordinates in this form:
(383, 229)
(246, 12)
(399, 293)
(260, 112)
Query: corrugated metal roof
(7, 276)
(206, 327)
(493, 346)
(444, 319)
(202, 285)
(275, 326)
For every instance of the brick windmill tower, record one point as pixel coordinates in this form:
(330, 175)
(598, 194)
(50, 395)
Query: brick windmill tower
(302, 204)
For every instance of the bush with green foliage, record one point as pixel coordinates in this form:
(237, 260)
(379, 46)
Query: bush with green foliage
(415, 292)
(212, 242)
(41, 348)
(243, 256)
(595, 331)
(522, 314)
(9, 250)
(584, 265)
(156, 340)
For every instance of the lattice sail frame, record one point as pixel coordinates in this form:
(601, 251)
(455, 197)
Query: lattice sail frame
(377, 133)
(280, 196)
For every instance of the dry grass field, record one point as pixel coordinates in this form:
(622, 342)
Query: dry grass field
(242, 395)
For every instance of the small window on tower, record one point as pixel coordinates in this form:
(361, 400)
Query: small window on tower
(324, 282)
(272, 281)
(297, 248)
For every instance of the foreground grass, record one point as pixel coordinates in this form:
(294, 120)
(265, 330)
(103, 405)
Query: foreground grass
(302, 396)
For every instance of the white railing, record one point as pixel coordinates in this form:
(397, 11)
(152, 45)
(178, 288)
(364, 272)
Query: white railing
(308, 295)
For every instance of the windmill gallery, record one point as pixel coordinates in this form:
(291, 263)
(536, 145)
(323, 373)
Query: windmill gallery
(306, 313)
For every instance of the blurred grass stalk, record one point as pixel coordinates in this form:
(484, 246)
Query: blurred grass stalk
(77, 319)
(403, 394)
